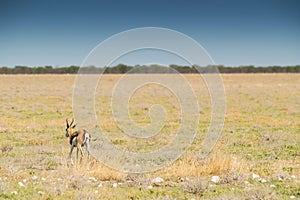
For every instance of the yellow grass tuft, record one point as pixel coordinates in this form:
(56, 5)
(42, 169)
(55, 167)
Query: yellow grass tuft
(36, 141)
(216, 163)
(103, 173)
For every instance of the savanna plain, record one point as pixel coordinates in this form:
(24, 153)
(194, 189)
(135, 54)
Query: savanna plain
(256, 157)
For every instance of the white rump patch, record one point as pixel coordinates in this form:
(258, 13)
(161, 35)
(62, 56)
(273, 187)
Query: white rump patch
(86, 137)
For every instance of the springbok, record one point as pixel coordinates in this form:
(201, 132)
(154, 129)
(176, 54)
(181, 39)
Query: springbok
(78, 139)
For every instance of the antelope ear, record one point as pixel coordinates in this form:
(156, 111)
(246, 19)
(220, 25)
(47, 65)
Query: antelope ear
(67, 123)
(74, 125)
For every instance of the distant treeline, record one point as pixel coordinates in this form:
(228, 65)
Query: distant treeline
(122, 68)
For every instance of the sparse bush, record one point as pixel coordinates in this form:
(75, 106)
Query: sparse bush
(51, 165)
(196, 186)
(5, 148)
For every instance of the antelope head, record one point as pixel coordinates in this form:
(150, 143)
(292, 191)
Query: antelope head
(69, 128)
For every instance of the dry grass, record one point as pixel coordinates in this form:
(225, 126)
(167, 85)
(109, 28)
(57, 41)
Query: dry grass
(215, 164)
(261, 135)
(104, 173)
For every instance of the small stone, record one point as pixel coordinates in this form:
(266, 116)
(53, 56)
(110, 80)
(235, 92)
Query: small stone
(114, 185)
(100, 185)
(34, 177)
(43, 179)
(96, 191)
(293, 177)
(292, 197)
(215, 179)
(24, 180)
(149, 187)
(157, 180)
(272, 186)
(192, 199)
(59, 179)
(92, 179)
(255, 176)
(21, 184)
(263, 180)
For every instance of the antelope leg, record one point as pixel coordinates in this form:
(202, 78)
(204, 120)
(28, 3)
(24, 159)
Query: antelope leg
(81, 153)
(87, 147)
(77, 150)
(70, 154)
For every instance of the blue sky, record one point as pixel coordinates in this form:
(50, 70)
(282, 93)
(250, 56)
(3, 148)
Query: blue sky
(234, 32)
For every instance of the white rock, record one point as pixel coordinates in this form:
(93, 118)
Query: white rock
(59, 179)
(292, 197)
(96, 191)
(215, 179)
(14, 192)
(34, 177)
(293, 177)
(114, 185)
(24, 180)
(92, 179)
(43, 179)
(21, 184)
(255, 176)
(272, 186)
(100, 185)
(263, 180)
(157, 180)
(192, 199)
(149, 187)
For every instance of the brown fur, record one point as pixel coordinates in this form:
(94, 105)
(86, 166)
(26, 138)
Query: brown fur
(80, 135)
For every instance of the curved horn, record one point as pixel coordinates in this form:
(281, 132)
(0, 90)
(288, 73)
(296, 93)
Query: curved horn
(72, 122)
(67, 123)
